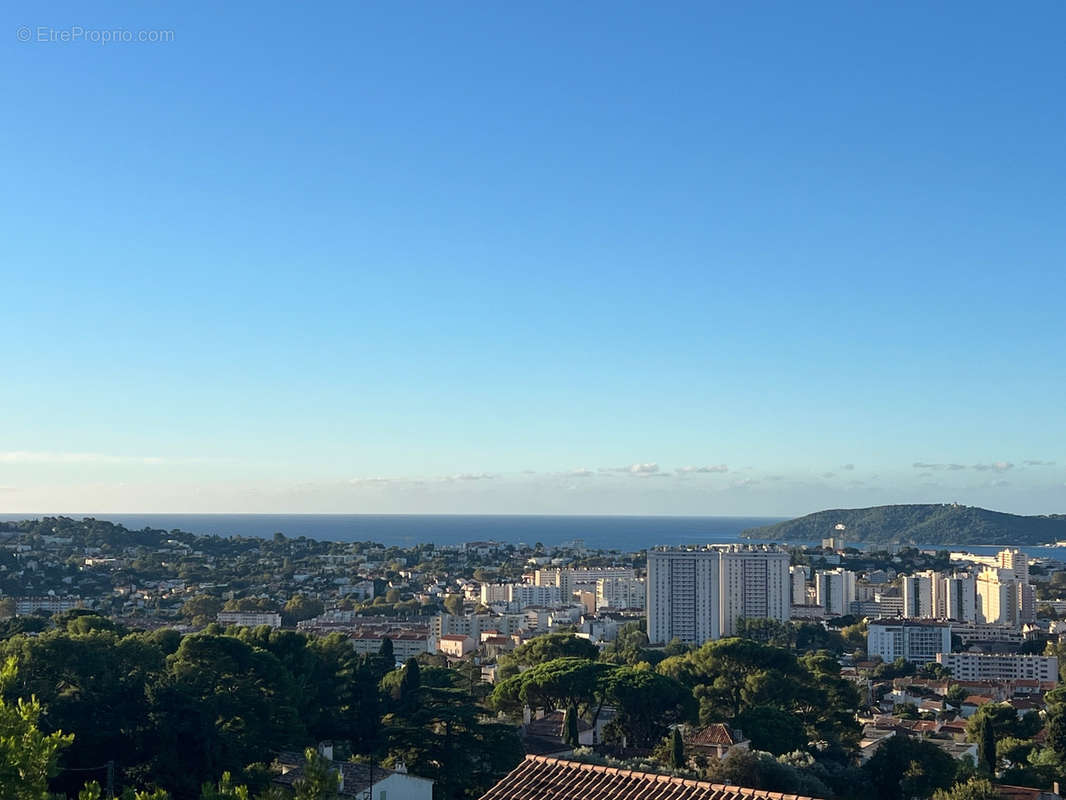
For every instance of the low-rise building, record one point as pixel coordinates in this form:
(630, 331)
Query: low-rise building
(456, 645)
(985, 666)
(53, 604)
(405, 644)
(716, 740)
(250, 619)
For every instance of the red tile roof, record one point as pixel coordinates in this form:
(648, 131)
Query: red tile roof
(717, 733)
(544, 778)
(1008, 792)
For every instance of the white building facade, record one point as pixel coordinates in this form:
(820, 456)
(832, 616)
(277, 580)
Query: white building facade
(914, 641)
(698, 594)
(834, 590)
(998, 667)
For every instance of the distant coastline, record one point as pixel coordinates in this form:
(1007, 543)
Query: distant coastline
(941, 524)
(625, 533)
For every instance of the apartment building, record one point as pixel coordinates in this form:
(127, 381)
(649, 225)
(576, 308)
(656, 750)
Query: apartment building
(755, 584)
(620, 593)
(834, 590)
(684, 588)
(989, 667)
(918, 641)
(698, 594)
(250, 619)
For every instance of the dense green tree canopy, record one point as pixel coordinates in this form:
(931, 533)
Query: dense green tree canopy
(905, 768)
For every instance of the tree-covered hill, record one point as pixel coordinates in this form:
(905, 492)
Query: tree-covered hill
(946, 524)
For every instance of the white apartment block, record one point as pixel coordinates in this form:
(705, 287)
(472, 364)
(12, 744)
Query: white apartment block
(522, 595)
(570, 579)
(620, 593)
(250, 619)
(404, 645)
(683, 595)
(920, 595)
(834, 590)
(933, 595)
(755, 584)
(50, 603)
(698, 594)
(799, 576)
(987, 667)
(1003, 599)
(1015, 562)
(970, 632)
(473, 625)
(960, 597)
(915, 641)
(492, 593)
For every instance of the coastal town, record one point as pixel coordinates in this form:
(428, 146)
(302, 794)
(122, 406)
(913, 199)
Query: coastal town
(933, 643)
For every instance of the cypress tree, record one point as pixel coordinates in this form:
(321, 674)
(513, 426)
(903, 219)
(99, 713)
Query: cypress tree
(677, 750)
(570, 735)
(986, 745)
(412, 678)
(386, 649)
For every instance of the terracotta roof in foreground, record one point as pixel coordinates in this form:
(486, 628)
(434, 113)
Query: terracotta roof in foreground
(545, 778)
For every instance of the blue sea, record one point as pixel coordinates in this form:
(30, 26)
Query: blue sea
(608, 533)
(624, 533)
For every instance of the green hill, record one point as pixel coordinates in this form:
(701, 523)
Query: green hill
(919, 524)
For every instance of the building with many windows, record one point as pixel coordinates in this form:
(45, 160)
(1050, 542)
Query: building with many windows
(920, 595)
(834, 590)
(572, 579)
(683, 595)
(53, 604)
(918, 641)
(800, 575)
(755, 584)
(620, 593)
(250, 619)
(697, 594)
(989, 667)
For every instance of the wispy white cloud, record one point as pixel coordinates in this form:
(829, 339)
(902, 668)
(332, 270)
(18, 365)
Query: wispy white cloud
(847, 467)
(648, 468)
(996, 466)
(472, 476)
(46, 457)
(580, 473)
(1038, 463)
(828, 475)
(927, 466)
(711, 468)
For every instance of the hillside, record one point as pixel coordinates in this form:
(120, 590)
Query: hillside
(919, 524)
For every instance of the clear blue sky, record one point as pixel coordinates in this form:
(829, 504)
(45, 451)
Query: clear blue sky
(533, 257)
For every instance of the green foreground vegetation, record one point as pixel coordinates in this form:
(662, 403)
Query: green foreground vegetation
(203, 715)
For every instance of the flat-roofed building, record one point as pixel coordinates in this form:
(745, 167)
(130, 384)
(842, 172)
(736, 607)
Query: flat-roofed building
(1000, 666)
(917, 641)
